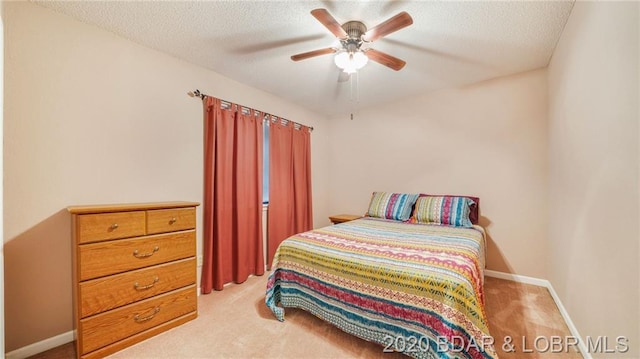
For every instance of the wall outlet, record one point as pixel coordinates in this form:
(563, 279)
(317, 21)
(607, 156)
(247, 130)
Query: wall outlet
(199, 261)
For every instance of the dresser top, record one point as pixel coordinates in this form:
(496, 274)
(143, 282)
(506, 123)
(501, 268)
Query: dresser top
(120, 207)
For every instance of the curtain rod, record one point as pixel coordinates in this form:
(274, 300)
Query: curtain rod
(202, 96)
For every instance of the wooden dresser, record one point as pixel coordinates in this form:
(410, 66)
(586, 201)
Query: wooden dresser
(134, 273)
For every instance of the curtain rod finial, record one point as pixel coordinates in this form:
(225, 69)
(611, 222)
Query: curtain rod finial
(195, 93)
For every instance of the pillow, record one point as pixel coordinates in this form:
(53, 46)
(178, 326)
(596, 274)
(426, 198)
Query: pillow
(474, 208)
(449, 210)
(395, 206)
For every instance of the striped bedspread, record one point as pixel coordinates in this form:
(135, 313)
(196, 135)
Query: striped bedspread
(413, 288)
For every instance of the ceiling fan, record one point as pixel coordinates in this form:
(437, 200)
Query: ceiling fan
(352, 55)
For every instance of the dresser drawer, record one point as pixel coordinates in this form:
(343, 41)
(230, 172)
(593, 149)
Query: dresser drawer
(106, 226)
(111, 257)
(102, 294)
(169, 220)
(109, 327)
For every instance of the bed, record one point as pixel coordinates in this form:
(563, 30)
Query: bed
(414, 288)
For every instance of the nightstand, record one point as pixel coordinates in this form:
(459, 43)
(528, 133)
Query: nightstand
(340, 218)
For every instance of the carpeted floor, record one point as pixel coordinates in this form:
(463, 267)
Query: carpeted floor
(235, 323)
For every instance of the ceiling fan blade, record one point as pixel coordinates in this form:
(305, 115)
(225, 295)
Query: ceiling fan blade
(393, 24)
(329, 22)
(306, 55)
(385, 59)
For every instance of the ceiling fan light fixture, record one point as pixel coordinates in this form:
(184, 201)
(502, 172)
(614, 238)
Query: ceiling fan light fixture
(351, 62)
(350, 56)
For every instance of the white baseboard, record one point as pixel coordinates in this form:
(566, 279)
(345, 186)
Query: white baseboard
(545, 283)
(41, 346)
(517, 278)
(572, 328)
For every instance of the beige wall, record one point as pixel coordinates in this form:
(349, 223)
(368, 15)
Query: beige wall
(594, 161)
(488, 140)
(93, 118)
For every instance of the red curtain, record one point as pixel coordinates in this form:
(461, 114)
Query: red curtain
(289, 183)
(249, 255)
(303, 213)
(232, 247)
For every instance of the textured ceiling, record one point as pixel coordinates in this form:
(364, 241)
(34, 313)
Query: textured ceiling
(449, 44)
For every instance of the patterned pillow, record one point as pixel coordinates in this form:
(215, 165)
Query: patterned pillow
(450, 210)
(395, 206)
(474, 211)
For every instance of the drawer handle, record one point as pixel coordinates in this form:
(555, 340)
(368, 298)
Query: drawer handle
(173, 220)
(145, 255)
(140, 319)
(143, 287)
(113, 227)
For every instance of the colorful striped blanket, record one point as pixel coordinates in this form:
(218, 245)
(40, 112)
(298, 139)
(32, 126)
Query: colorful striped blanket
(413, 288)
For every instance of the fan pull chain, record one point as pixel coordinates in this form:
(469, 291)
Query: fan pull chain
(354, 87)
(354, 82)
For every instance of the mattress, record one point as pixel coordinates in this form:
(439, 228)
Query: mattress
(413, 288)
